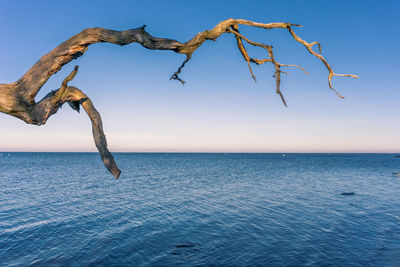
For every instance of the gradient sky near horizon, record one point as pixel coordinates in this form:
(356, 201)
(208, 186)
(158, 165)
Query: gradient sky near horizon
(220, 108)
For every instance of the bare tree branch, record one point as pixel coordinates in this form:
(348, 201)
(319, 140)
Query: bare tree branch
(18, 98)
(309, 48)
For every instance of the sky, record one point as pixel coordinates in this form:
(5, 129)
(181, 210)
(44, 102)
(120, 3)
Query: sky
(220, 108)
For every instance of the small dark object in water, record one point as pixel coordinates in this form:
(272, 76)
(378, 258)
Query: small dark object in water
(185, 245)
(348, 193)
(397, 156)
(396, 173)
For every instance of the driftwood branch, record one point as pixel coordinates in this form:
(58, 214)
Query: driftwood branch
(18, 98)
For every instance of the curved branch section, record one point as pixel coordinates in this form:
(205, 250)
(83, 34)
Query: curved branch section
(50, 104)
(31, 82)
(18, 99)
(75, 96)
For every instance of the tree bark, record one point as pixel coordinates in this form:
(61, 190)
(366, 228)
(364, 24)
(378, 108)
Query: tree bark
(18, 98)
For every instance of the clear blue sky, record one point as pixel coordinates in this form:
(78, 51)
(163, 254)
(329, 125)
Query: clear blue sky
(220, 108)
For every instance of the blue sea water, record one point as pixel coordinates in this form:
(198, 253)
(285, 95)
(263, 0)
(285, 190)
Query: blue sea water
(172, 209)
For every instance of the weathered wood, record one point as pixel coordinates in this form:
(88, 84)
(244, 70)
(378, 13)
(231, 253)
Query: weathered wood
(18, 98)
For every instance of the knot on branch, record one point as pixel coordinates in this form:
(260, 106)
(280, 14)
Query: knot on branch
(75, 105)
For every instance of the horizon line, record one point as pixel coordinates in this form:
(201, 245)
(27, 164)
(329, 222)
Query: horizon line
(198, 152)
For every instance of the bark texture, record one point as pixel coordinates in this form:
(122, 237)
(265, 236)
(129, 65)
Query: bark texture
(18, 98)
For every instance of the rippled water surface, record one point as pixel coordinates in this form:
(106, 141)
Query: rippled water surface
(62, 209)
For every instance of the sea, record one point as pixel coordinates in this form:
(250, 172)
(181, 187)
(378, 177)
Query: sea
(200, 209)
